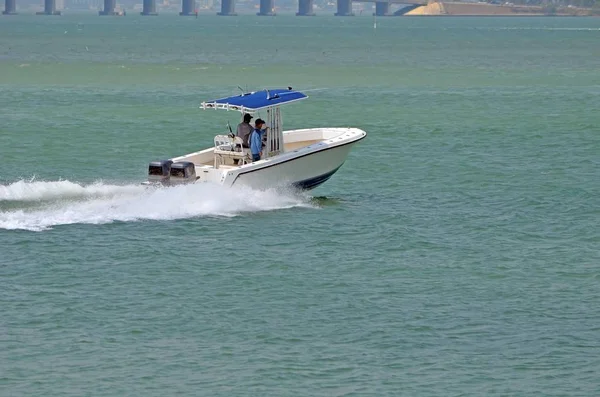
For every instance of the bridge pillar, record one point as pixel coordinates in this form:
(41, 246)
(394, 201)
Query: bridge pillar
(305, 8)
(109, 7)
(149, 8)
(49, 8)
(267, 7)
(344, 8)
(10, 7)
(227, 8)
(382, 9)
(188, 8)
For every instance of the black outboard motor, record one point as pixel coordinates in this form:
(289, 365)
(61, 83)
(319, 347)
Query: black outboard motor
(159, 171)
(183, 172)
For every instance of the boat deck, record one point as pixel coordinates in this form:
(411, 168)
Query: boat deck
(288, 147)
(300, 144)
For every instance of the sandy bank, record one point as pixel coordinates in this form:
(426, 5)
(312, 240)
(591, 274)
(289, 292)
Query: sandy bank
(466, 9)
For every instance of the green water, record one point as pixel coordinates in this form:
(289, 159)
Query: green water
(455, 253)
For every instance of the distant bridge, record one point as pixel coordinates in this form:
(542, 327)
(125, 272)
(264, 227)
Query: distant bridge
(267, 7)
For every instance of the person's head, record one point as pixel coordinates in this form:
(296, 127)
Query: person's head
(247, 118)
(259, 123)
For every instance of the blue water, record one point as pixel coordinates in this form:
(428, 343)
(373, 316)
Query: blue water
(455, 253)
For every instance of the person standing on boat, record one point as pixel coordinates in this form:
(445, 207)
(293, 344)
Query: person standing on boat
(256, 142)
(244, 129)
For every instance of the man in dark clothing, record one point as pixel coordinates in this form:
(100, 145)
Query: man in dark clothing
(244, 129)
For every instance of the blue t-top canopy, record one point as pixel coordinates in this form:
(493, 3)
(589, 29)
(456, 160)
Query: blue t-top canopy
(252, 101)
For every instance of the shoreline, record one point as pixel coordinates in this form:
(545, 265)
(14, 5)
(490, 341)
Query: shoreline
(441, 8)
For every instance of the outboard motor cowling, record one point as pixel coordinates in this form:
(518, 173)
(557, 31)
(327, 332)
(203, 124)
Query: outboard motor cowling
(159, 171)
(183, 172)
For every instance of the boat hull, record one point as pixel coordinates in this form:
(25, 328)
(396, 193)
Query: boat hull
(305, 171)
(310, 158)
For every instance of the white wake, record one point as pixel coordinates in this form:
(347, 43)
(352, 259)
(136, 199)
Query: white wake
(38, 206)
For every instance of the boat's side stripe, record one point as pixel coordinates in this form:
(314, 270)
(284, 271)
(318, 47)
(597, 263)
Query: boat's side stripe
(312, 183)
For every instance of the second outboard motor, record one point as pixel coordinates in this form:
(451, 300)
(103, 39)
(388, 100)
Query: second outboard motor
(183, 172)
(159, 171)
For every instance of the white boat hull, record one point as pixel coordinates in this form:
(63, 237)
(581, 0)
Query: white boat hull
(304, 172)
(311, 157)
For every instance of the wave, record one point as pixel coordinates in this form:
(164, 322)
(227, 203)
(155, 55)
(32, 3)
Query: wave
(38, 206)
(43, 191)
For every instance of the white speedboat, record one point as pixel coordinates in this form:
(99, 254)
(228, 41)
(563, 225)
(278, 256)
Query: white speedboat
(299, 158)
